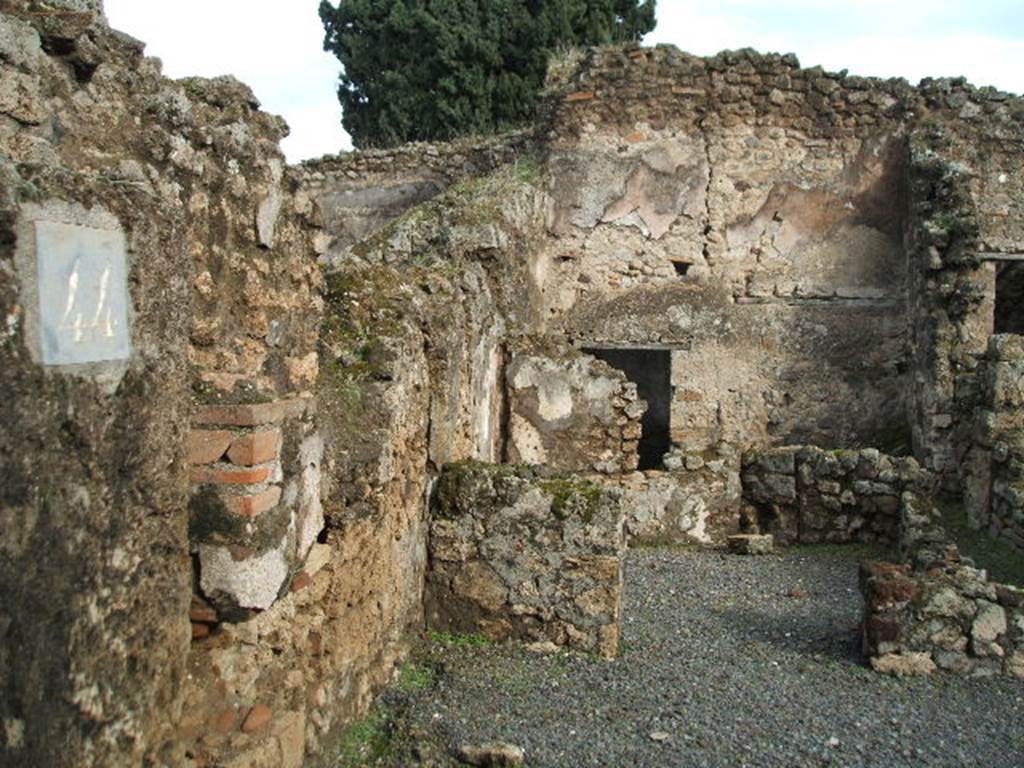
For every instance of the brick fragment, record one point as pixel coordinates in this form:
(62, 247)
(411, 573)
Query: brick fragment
(207, 446)
(253, 505)
(225, 722)
(202, 614)
(257, 718)
(894, 590)
(200, 631)
(224, 475)
(253, 415)
(255, 448)
(580, 96)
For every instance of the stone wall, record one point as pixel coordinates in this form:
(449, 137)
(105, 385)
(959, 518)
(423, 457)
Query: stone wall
(993, 478)
(570, 411)
(746, 214)
(220, 436)
(809, 495)
(741, 209)
(517, 554)
(99, 153)
(696, 500)
(359, 193)
(936, 610)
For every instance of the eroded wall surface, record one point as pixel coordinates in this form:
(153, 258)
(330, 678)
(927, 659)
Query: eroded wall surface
(222, 436)
(747, 214)
(517, 554)
(96, 568)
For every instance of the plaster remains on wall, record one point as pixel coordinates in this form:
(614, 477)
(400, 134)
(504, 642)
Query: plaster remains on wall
(405, 389)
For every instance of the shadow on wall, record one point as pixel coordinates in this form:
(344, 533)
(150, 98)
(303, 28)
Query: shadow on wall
(651, 371)
(1010, 298)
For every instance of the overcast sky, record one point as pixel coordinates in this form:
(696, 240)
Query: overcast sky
(276, 45)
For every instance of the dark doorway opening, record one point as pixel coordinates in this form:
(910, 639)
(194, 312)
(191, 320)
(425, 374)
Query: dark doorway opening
(651, 371)
(1010, 298)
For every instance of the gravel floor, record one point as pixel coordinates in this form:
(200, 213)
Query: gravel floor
(729, 661)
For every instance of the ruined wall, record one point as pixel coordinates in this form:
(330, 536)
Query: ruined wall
(570, 411)
(809, 495)
(519, 554)
(965, 218)
(98, 148)
(993, 478)
(813, 249)
(206, 442)
(359, 193)
(746, 214)
(936, 611)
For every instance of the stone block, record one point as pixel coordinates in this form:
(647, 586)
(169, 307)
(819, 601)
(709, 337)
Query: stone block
(989, 623)
(904, 664)
(751, 544)
(496, 755)
(20, 98)
(246, 579)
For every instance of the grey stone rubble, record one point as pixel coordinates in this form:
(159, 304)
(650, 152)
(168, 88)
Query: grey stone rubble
(936, 610)
(739, 661)
(514, 553)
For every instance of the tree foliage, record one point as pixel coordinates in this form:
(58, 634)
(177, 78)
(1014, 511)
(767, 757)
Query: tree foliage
(417, 70)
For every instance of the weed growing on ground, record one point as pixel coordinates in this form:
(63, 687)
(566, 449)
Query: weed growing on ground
(1003, 563)
(367, 742)
(459, 640)
(413, 677)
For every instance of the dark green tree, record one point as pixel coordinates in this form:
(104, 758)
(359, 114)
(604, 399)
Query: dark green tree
(419, 70)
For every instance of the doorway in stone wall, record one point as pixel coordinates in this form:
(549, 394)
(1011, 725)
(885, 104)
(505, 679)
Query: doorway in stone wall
(651, 371)
(1010, 297)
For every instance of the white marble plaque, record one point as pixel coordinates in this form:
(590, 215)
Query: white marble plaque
(83, 294)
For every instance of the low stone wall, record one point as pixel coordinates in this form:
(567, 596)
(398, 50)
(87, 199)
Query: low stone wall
(807, 495)
(936, 610)
(696, 500)
(517, 554)
(571, 412)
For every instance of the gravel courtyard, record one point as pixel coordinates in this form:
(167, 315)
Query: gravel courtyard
(728, 661)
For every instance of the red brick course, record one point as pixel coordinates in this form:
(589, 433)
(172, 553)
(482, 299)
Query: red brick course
(253, 505)
(255, 448)
(254, 415)
(207, 446)
(223, 475)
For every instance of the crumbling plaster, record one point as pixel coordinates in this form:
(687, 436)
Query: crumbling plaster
(814, 250)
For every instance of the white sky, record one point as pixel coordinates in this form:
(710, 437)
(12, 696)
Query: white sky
(276, 45)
